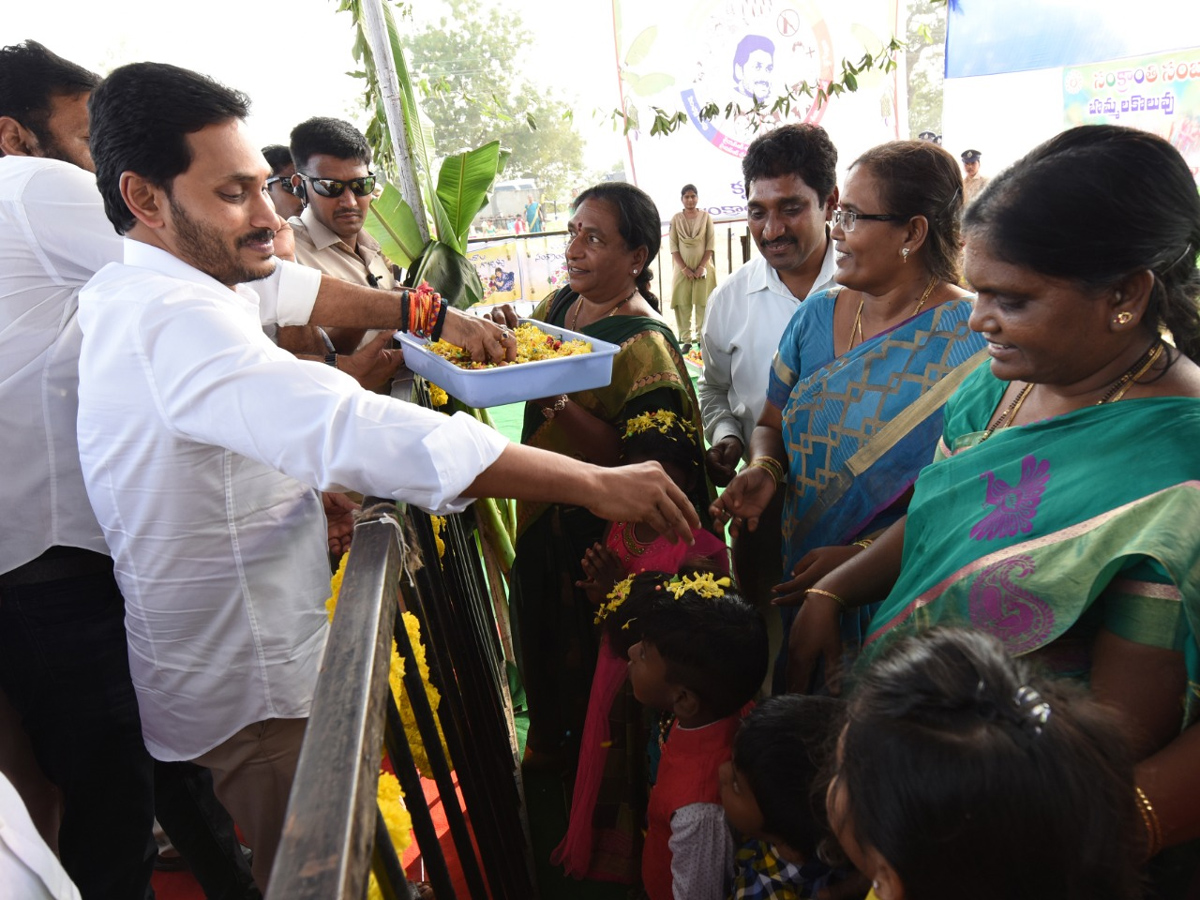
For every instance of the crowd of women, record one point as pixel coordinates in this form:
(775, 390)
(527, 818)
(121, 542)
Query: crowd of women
(1016, 457)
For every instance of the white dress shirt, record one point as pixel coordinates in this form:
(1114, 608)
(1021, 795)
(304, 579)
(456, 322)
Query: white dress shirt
(745, 320)
(53, 237)
(201, 444)
(29, 870)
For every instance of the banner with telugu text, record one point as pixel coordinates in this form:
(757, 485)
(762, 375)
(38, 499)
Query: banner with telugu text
(683, 55)
(1159, 94)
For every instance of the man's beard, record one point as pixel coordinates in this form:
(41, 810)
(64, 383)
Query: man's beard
(52, 149)
(208, 251)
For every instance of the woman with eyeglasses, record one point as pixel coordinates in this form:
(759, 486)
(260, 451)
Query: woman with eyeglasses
(857, 386)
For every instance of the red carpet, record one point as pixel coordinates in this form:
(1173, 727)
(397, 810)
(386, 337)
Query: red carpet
(182, 886)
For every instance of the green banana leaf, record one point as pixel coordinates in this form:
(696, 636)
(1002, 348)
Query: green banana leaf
(442, 227)
(449, 273)
(391, 222)
(463, 185)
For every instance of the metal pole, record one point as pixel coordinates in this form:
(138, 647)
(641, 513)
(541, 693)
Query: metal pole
(375, 28)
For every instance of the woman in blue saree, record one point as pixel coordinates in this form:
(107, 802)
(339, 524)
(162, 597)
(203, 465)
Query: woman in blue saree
(857, 386)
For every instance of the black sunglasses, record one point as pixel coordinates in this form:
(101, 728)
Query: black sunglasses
(328, 187)
(285, 182)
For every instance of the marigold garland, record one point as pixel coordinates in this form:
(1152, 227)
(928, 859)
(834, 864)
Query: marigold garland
(437, 396)
(396, 676)
(397, 819)
(439, 525)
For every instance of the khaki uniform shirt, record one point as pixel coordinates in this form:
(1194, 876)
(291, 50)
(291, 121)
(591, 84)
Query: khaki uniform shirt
(320, 248)
(972, 185)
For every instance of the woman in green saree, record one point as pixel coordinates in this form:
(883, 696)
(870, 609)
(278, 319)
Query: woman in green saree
(1063, 512)
(614, 234)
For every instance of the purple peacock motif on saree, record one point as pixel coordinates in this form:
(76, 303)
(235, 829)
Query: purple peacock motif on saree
(1014, 507)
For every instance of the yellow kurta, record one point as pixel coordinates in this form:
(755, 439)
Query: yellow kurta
(691, 239)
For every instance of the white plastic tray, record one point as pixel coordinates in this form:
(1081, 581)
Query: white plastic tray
(514, 383)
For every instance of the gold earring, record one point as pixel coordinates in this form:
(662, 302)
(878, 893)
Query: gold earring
(1123, 318)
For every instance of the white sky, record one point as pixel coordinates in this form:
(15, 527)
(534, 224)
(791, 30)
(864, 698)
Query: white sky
(246, 45)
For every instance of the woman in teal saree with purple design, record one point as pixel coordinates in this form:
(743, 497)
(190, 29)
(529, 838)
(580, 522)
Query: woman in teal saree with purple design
(1063, 512)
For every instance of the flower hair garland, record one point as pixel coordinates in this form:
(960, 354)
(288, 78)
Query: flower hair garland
(661, 420)
(703, 584)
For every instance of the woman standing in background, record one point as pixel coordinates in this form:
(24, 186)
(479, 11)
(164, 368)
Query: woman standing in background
(692, 244)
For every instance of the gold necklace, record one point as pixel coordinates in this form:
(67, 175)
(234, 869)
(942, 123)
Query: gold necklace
(1118, 389)
(611, 312)
(1136, 371)
(925, 296)
(857, 326)
(1008, 414)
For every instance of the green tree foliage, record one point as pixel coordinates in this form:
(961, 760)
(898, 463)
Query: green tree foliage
(480, 72)
(925, 60)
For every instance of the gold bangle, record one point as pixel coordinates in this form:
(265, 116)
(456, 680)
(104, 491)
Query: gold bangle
(773, 467)
(840, 602)
(864, 543)
(1154, 836)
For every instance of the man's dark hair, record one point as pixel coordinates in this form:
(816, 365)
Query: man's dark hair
(782, 750)
(31, 77)
(716, 647)
(332, 137)
(803, 150)
(278, 157)
(141, 116)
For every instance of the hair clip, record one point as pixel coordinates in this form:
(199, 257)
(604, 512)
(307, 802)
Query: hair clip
(1031, 702)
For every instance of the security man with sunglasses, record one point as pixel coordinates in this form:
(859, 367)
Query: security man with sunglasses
(334, 182)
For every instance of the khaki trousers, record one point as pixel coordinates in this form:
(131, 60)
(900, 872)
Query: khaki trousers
(252, 775)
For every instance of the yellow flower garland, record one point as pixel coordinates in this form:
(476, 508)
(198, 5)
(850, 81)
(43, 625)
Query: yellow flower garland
(391, 798)
(397, 819)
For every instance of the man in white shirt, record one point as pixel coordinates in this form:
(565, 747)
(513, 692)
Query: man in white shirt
(791, 183)
(202, 442)
(791, 191)
(63, 658)
(63, 661)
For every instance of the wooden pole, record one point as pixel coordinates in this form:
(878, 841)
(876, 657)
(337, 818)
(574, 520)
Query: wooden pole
(375, 28)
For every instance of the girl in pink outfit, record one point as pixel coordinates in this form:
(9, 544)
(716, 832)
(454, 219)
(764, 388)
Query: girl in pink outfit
(604, 837)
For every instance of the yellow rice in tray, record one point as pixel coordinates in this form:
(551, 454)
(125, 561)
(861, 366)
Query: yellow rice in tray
(533, 344)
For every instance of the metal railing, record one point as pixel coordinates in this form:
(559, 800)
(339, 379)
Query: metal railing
(334, 834)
